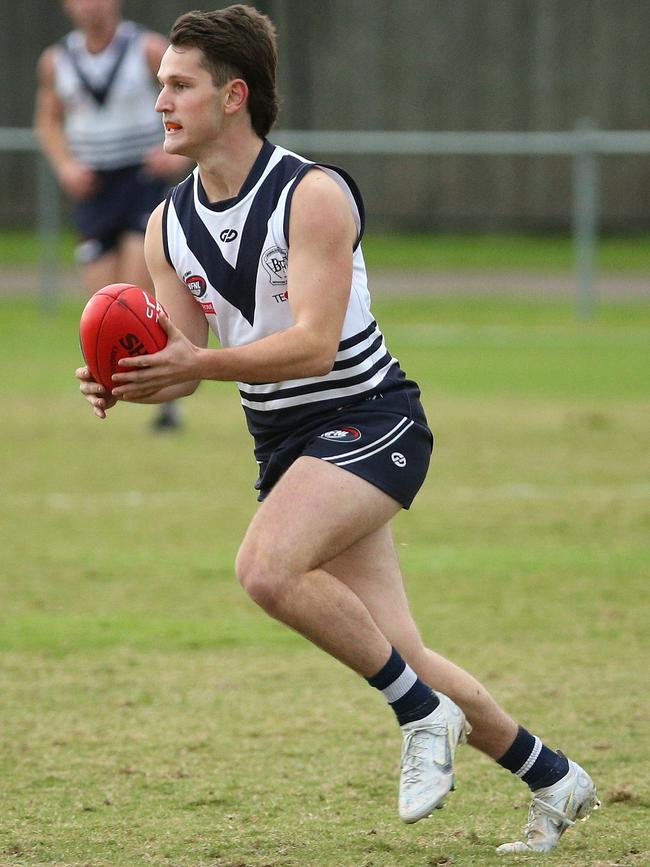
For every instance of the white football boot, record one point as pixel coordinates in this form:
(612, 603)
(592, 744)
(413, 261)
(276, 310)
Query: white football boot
(554, 809)
(428, 759)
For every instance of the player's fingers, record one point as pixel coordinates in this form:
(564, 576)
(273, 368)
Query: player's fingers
(88, 387)
(132, 391)
(135, 392)
(166, 324)
(134, 375)
(138, 361)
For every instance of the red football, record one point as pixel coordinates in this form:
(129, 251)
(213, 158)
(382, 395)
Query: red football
(119, 321)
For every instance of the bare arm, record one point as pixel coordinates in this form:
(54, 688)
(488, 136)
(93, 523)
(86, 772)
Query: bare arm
(190, 328)
(76, 178)
(322, 234)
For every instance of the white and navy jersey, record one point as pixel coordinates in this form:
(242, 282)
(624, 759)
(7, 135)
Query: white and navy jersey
(233, 257)
(108, 98)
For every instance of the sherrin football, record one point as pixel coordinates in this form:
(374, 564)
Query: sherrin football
(119, 321)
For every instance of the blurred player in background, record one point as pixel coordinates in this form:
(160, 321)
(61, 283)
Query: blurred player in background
(97, 126)
(263, 246)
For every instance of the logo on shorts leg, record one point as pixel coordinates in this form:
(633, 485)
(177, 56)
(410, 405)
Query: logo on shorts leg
(342, 435)
(398, 459)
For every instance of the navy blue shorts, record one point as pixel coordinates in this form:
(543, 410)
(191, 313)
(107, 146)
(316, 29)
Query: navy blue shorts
(123, 203)
(384, 439)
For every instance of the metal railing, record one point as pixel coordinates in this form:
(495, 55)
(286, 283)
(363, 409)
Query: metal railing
(583, 144)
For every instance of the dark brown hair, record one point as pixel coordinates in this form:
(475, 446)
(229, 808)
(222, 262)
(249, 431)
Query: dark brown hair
(236, 42)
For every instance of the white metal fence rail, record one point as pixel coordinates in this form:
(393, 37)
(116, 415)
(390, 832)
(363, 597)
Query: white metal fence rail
(583, 144)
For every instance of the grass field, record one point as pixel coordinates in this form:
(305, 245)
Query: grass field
(549, 252)
(151, 715)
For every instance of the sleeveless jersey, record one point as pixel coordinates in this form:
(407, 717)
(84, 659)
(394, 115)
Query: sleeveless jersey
(233, 257)
(109, 98)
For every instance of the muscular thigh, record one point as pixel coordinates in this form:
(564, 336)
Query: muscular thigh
(315, 512)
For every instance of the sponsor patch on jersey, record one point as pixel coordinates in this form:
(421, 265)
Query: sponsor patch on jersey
(196, 284)
(275, 262)
(208, 307)
(342, 435)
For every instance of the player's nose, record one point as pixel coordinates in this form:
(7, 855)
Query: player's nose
(162, 103)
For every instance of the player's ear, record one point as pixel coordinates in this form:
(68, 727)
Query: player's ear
(236, 95)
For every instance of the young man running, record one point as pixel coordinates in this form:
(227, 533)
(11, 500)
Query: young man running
(263, 246)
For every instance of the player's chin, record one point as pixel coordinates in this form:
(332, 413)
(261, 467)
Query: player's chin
(173, 144)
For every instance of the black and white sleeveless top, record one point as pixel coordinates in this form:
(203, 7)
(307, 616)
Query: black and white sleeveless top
(109, 97)
(233, 258)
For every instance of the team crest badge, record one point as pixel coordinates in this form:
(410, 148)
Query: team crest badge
(275, 262)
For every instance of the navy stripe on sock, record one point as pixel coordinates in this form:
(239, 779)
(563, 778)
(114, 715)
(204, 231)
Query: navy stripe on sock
(546, 768)
(517, 755)
(417, 702)
(389, 673)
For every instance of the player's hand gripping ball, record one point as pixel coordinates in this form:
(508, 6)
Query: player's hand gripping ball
(119, 321)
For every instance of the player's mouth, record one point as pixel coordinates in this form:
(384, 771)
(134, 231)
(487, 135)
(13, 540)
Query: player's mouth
(172, 126)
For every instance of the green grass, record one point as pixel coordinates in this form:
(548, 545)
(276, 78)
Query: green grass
(151, 715)
(441, 251)
(548, 253)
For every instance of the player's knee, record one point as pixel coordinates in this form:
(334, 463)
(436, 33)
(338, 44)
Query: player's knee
(257, 577)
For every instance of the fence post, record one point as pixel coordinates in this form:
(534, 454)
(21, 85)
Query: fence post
(49, 231)
(585, 218)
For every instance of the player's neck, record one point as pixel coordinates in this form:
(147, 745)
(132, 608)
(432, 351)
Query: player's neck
(224, 172)
(100, 36)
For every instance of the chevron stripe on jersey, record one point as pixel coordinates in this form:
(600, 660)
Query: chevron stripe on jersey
(233, 257)
(253, 232)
